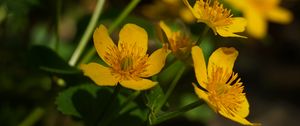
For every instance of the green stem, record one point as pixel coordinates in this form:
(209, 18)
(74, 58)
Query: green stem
(33, 117)
(172, 114)
(58, 10)
(123, 15)
(105, 116)
(205, 31)
(88, 56)
(130, 98)
(171, 88)
(112, 27)
(87, 34)
(108, 117)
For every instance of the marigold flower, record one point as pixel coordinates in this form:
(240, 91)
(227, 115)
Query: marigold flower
(258, 12)
(179, 43)
(223, 89)
(219, 19)
(128, 62)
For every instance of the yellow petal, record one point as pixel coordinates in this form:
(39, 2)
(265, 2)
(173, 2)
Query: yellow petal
(166, 29)
(257, 24)
(102, 41)
(272, 2)
(239, 4)
(201, 94)
(238, 25)
(223, 58)
(172, 2)
(280, 15)
(192, 9)
(235, 118)
(187, 15)
(141, 84)
(244, 110)
(156, 62)
(199, 66)
(99, 74)
(135, 37)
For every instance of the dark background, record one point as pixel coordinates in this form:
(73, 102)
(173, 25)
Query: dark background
(269, 68)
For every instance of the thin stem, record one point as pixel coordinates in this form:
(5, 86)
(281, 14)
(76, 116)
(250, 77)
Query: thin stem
(123, 15)
(172, 87)
(33, 117)
(120, 111)
(112, 27)
(205, 31)
(103, 118)
(172, 114)
(88, 56)
(88, 32)
(58, 10)
(130, 98)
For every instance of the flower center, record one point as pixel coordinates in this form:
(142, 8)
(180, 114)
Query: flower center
(126, 61)
(225, 90)
(180, 45)
(213, 15)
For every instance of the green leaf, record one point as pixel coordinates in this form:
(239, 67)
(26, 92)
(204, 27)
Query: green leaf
(154, 97)
(46, 59)
(202, 113)
(134, 116)
(93, 104)
(128, 120)
(207, 47)
(87, 102)
(168, 74)
(64, 100)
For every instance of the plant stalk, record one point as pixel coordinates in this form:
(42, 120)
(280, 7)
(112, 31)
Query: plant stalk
(172, 114)
(87, 34)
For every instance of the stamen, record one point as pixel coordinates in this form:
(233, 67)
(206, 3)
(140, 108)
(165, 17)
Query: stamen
(180, 44)
(214, 15)
(126, 61)
(225, 90)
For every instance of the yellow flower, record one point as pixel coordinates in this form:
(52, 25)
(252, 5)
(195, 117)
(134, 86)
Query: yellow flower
(162, 9)
(179, 43)
(219, 19)
(223, 90)
(128, 62)
(258, 12)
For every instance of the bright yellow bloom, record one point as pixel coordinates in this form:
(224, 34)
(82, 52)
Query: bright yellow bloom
(179, 43)
(223, 88)
(219, 19)
(128, 62)
(162, 9)
(258, 12)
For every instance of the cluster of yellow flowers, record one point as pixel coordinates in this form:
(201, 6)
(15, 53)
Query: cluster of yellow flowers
(129, 64)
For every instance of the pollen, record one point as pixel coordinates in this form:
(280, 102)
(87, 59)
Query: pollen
(225, 90)
(213, 15)
(126, 61)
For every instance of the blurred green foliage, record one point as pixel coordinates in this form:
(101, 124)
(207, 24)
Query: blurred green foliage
(35, 74)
